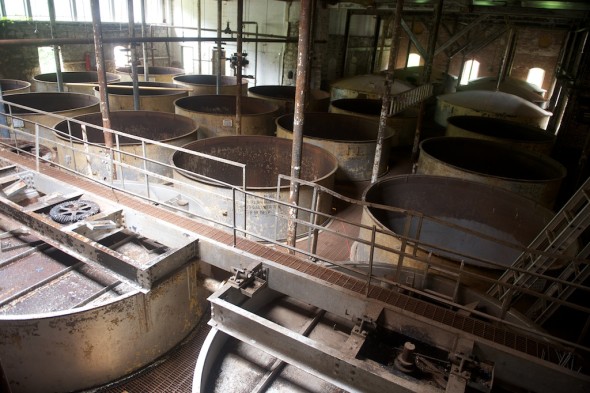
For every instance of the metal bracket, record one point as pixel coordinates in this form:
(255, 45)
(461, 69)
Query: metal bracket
(360, 329)
(250, 279)
(475, 374)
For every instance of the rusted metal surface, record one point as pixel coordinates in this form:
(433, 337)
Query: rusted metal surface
(404, 123)
(155, 73)
(48, 81)
(284, 96)
(517, 134)
(478, 207)
(215, 114)
(14, 86)
(532, 175)
(489, 104)
(160, 100)
(172, 129)
(45, 152)
(207, 84)
(265, 158)
(64, 104)
(350, 138)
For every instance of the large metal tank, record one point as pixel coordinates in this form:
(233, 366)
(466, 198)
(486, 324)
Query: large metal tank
(442, 81)
(284, 96)
(207, 84)
(265, 158)
(365, 86)
(403, 123)
(216, 114)
(489, 104)
(62, 104)
(27, 147)
(155, 74)
(478, 207)
(352, 139)
(89, 158)
(532, 175)
(509, 85)
(87, 80)
(160, 99)
(14, 86)
(517, 134)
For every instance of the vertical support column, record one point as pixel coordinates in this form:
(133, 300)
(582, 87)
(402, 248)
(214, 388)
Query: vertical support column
(386, 100)
(502, 72)
(133, 55)
(144, 44)
(375, 42)
(101, 71)
(58, 74)
(301, 91)
(199, 17)
(218, 71)
(345, 48)
(426, 79)
(239, 67)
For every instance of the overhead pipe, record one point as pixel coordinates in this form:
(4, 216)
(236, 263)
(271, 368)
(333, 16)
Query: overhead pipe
(218, 71)
(426, 78)
(255, 48)
(101, 73)
(58, 74)
(387, 96)
(127, 40)
(301, 91)
(502, 71)
(146, 71)
(133, 57)
(240, 59)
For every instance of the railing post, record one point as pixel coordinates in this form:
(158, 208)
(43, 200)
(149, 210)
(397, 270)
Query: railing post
(371, 254)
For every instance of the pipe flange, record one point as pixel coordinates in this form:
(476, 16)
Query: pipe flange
(73, 211)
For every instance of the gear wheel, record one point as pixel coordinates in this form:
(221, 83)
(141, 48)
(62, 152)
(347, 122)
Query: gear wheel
(73, 211)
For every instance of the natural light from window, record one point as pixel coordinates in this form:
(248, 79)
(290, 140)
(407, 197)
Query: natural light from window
(536, 77)
(470, 71)
(414, 60)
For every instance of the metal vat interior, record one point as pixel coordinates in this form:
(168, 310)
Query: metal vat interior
(51, 101)
(74, 77)
(156, 126)
(12, 86)
(265, 158)
(152, 70)
(478, 207)
(113, 88)
(493, 159)
(501, 129)
(318, 100)
(225, 105)
(208, 80)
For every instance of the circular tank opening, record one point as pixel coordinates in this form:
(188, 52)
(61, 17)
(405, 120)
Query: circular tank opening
(125, 91)
(209, 80)
(500, 128)
(50, 101)
(159, 126)
(74, 77)
(335, 126)
(225, 105)
(152, 70)
(265, 158)
(359, 105)
(492, 159)
(277, 92)
(478, 207)
(13, 84)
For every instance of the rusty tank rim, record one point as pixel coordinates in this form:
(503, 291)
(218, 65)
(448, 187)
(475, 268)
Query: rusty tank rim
(74, 77)
(179, 126)
(112, 89)
(449, 205)
(278, 148)
(365, 107)
(493, 159)
(152, 70)
(502, 129)
(9, 85)
(320, 126)
(53, 102)
(224, 105)
(46, 153)
(277, 92)
(207, 80)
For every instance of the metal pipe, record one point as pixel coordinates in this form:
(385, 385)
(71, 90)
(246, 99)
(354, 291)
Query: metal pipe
(143, 44)
(504, 61)
(255, 49)
(386, 100)
(375, 42)
(240, 16)
(101, 72)
(58, 74)
(218, 71)
(133, 55)
(301, 91)
(127, 40)
(345, 48)
(215, 30)
(199, 17)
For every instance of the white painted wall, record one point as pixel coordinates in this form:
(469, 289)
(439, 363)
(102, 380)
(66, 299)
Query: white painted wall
(272, 17)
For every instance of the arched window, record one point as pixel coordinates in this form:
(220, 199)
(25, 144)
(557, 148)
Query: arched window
(536, 77)
(414, 60)
(470, 71)
(121, 55)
